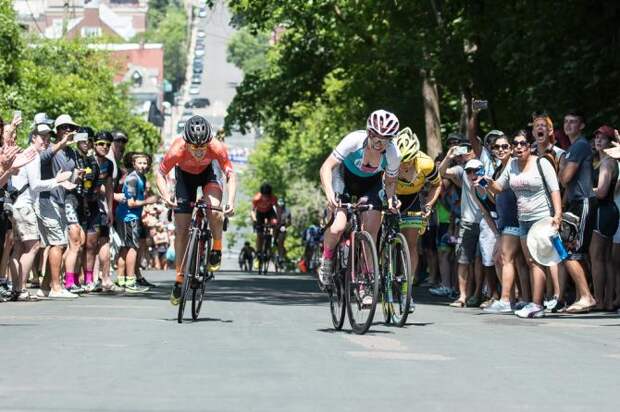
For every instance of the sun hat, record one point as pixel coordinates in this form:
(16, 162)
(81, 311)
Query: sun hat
(473, 164)
(539, 243)
(64, 119)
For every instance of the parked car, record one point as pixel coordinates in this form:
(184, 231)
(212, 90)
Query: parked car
(194, 90)
(196, 79)
(199, 53)
(186, 115)
(202, 13)
(197, 103)
(200, 45)
(201, 34)
(180, 126)
(198, 67)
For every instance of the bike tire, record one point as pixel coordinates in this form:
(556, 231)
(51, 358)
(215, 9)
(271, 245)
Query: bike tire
(189, 269)
(336, 293)
(360, 315)
(198, 293)
(399, 280)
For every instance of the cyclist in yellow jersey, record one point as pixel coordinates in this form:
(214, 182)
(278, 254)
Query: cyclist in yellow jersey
(416, 170)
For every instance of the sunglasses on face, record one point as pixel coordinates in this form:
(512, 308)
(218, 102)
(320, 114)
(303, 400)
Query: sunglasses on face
(518, 143)
(470, 171)
(197, 147)
(102, 143)
(504, 146)
(383, 139)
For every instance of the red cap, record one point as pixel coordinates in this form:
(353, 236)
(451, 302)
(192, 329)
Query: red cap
(606, 131)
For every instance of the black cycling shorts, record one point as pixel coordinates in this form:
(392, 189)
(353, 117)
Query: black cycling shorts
(370, 187)
(188, 184)
(261, 217)
(410, 203)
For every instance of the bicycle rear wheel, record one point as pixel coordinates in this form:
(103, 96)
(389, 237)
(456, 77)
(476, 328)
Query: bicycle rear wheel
(189, 271)
(397, 277)
(198, 292)
(362, 283)
(336, 293)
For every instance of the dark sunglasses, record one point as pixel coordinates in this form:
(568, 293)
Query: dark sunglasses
(504, 146)
(379, 137)
(518, 143)
(102, 143)
(470, 171)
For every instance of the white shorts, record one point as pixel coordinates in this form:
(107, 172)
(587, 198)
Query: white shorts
(25, 225)
(52, 224)
(486, 243)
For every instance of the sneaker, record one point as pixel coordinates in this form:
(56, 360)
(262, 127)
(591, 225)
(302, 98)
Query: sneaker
(439, 291)
(487, 303)
(175, 296)
(520, 305)
(531, 310)
(215, 259)
(97, 287)
(113, 288)
(89, 287)
(325, 271)
(550, 304)
(367, 300)
(560, 307)
(43, 293)
(77, 289)
(120, 281)
(498, 306)
(133, 287)
(61, 294)
(25, 296)
(5, 292)
(141, 281)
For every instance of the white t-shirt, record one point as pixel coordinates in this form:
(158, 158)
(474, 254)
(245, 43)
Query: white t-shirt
(470, 211)
(31, 175)
(533, 203)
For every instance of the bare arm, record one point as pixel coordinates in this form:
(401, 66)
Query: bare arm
(162, 186)
(472, 133)
(433, 195)
(231, 180)
(443, 166)
(326, 178)
(604, 180)
(567, 173)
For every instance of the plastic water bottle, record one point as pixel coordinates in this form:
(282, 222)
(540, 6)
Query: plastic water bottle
(556, 240)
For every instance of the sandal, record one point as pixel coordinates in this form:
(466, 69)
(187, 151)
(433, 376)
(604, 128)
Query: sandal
(457, 304)
(578, 307)
(473, 302)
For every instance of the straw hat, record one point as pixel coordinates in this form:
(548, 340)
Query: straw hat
(539, 243)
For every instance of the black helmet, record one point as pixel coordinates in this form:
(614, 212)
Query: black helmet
(265, 189)
(197, 131)
(105, 136)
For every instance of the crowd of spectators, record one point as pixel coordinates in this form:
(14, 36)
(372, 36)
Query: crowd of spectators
(73, 207)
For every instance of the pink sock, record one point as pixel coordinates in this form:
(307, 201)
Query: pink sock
(88, 276)
(328, 253)
(69, 279)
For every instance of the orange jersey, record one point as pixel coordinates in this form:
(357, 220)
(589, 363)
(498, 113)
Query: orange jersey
(264, 204)
(179, 155)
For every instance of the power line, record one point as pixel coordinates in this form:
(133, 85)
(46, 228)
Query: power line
(33, 19)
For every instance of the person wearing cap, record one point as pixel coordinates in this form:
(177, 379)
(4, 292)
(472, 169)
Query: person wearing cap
(530, 178)
(606, 220)
(471, 215)
(117, 150)
(576, 176)
(100, 216)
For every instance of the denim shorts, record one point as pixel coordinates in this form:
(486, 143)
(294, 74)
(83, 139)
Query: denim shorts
(512, 231)
(524, 227)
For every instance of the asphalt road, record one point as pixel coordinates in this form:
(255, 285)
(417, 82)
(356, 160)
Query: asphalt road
(267, 344)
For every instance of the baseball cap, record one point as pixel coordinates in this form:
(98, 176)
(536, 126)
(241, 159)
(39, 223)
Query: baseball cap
(42, 128)
(41, 118)
(64, 119)
(473, 164)
(455, 137)
(606, 131)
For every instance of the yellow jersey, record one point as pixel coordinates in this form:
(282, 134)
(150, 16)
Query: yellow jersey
(424, 172)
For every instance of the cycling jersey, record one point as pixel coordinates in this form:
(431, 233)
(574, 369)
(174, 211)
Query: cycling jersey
(350, 151)
(179, 155)
(264, 204)
(424, 172)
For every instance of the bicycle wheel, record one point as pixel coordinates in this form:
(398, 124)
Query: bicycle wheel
(189, 271)
(198, 292)
(397, 292)
(362, 283)
(337, 301)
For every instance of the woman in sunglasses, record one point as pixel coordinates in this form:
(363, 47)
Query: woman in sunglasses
(509, 247)
(355, 168)
(521, 174)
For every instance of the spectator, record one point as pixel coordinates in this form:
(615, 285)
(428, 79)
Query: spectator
(576, 176)
(161, 241)
(27, 185)
(128, 219)
(528, 177)
(605, 221)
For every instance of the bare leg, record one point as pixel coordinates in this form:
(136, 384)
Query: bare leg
(55, 265)
(598, 254)
(182, 222)
(578, 274)
(104, 261)
(510, 247)
(412, 241)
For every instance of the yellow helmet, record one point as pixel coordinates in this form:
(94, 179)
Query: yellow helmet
(408, 144)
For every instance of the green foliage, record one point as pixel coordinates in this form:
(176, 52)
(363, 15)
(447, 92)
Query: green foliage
(247, 51)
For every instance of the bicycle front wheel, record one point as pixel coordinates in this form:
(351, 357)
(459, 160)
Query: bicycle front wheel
(336, 293)
(362, 283)
(198, 292)
(189, 271)
(397, 276)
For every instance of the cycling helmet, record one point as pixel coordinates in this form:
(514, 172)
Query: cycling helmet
(197, 131)
(265, 189)
(408, 144)
(383, 123)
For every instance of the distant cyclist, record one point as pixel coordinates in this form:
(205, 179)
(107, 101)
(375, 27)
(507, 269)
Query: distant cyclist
(192, 157)
(263, 212)
(246, 256)
(356, 168)
(417, 169)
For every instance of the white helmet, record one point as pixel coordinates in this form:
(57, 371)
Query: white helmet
(383, 123)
